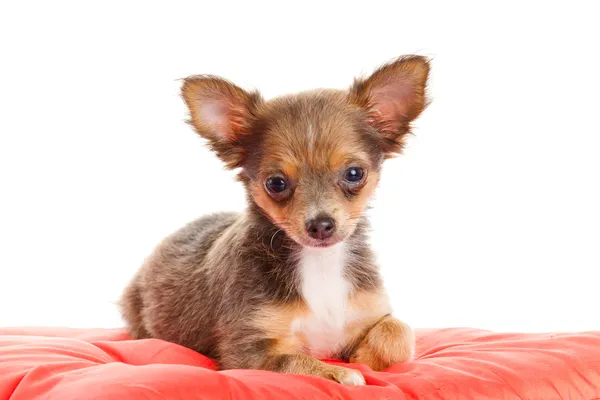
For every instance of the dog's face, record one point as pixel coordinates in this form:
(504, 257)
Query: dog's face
(315, 167)
(311, 161)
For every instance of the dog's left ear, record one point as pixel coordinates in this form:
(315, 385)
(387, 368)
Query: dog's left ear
(393, 96)
(222, 113)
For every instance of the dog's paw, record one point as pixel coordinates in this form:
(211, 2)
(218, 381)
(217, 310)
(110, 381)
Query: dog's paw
(347, 376)
(387, 343)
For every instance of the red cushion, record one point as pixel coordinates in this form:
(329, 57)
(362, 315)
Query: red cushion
(450, 364)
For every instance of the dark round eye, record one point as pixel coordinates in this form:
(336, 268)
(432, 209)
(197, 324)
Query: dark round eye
(276, 184)
(354, 174)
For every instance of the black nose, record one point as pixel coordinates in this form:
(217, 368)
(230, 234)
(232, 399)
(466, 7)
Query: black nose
(320, 228)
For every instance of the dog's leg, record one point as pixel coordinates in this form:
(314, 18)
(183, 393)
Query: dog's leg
(307, 365)
(132, 309)
(390, 341)
(248, 349)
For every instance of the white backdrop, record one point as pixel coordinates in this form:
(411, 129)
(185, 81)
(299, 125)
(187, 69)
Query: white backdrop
(490, 220)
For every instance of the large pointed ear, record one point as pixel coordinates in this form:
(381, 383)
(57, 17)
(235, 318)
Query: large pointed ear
(222, 113)
(393, 96)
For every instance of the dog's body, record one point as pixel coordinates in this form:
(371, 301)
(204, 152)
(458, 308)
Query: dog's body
(292, 279)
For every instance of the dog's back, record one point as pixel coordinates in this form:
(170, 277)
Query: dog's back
(160, 284)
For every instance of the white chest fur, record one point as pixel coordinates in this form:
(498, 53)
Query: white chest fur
(325, 290)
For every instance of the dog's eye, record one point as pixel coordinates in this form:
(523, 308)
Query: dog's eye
(276, 184)
(354, 174)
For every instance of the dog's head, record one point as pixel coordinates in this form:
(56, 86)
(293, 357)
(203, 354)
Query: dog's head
(311, 161)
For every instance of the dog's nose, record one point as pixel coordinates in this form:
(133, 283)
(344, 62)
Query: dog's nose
(320, 228)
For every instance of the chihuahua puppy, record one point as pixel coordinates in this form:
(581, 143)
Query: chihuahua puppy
(291, 280)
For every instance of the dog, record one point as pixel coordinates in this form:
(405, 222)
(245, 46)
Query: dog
(292, 279)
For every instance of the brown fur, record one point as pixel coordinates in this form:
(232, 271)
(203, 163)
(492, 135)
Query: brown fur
(276, 322)
(385, 344)
(229, 285)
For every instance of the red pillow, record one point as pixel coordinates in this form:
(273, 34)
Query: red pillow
(450, 364)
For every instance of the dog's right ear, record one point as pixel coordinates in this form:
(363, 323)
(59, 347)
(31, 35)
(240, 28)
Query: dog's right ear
(393, 97)
(222, 113)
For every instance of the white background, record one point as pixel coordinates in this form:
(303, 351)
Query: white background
(490, 220)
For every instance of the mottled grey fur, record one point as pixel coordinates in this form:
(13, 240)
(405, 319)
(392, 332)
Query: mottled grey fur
(207, 305)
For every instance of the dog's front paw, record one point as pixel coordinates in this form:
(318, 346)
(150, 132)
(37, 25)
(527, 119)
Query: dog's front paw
(389, 342)
(346, 376)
